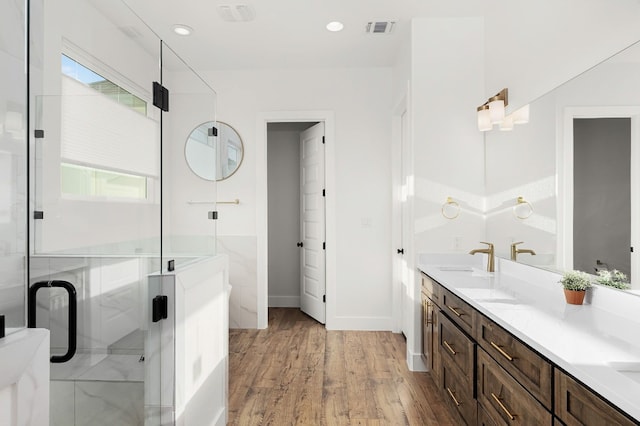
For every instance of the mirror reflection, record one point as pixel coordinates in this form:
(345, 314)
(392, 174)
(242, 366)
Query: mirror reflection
(214, 157)
(576, 162)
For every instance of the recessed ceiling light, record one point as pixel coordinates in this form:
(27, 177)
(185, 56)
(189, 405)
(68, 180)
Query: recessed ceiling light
(335, 26)
(182, 30)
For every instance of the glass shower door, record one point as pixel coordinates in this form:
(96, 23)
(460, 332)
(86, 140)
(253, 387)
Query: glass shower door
(95, 208)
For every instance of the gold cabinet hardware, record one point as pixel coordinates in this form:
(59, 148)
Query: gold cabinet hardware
(427, 316)
(444, 342)
(454, 311)
(502, 352)
(453, 397)
(502, 406)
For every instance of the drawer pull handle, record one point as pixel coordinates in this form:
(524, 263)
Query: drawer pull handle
(444, 342)
(453, 397)
(502, 352)
(454, 311)
(502, 406)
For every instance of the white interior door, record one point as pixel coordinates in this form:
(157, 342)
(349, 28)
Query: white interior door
(312, 223)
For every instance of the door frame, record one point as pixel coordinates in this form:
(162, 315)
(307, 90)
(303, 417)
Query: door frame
(262, 197)
(564, 248)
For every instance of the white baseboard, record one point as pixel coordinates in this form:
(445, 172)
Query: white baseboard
(284, 301)
(415, 362)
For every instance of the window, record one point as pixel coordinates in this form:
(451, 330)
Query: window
(80, 73)
(108, 150)
(91, 182)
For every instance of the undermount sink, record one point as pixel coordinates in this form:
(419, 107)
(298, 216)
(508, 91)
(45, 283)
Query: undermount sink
(627, 369)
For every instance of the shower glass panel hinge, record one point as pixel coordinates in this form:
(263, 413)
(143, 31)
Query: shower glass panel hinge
(171, 265)
(213, 215)
(160, 308)
(38, 133)
(38, 214)
(160, 96)
(213, 131)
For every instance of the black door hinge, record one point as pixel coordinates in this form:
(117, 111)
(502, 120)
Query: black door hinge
(300, 244)
(38, 214)
(213, 131)
(324, 246)
(324, 298)
(171, 265)
(160, 308)
(401, 251)
(38, 133)
(324, 194)
(160, 96)
(213, 215)
(323, 139)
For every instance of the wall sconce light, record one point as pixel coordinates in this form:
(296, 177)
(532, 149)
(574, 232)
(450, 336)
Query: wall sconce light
(484, 118)
(494, 112)
(450, 209)
(523, 209)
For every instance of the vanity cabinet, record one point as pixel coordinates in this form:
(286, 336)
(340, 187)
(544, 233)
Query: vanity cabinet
(431, 296)
(505, 400)
(459, 311)
(526, 366)
(489, 377)
(457, 370)
(577, 405)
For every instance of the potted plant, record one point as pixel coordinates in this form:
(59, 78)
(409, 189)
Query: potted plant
(575, 285)
(613, 278)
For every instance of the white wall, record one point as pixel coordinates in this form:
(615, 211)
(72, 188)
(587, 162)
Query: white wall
(533, 47)
(447, 79)
(283, 153)
(361, 101)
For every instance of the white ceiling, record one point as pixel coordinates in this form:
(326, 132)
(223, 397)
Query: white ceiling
(291, 33)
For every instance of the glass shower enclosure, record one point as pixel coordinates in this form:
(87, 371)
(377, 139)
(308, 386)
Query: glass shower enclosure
(110, 108)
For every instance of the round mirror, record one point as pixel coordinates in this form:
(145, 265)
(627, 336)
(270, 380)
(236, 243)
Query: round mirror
(214, 157)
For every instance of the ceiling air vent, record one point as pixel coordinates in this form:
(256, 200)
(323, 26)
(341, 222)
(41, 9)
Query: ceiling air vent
(380, 27)
(236, 12)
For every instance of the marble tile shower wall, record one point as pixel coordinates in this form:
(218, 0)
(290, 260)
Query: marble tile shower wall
(243, 277)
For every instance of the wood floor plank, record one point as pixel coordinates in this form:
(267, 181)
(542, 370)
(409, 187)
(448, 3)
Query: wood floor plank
(297, 373)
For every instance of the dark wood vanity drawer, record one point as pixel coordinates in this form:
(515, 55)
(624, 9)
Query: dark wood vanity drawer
(432, 289)
(483, 417)
(459, 311)
(458, 392)
(504, 399)
(527, 366)
(577, 405)
(457, 347)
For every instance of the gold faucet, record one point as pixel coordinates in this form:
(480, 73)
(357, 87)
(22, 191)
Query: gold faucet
(516, 251)
(489, 252)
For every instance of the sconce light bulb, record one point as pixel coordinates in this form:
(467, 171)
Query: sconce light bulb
(484, 120)
(521, 116)
(496, 110)
(507, 123)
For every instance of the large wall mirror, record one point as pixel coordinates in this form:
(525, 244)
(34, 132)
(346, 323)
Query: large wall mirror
(214, 157)
(577, 162)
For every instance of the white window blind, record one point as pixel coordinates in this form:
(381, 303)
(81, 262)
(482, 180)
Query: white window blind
(100, 132)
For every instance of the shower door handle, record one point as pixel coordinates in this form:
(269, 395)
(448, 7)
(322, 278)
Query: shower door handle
(73, 314)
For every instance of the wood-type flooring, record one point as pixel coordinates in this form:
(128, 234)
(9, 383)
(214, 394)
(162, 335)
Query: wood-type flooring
(297, 373)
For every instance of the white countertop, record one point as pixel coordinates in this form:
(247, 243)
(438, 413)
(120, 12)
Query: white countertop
(598, 343)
